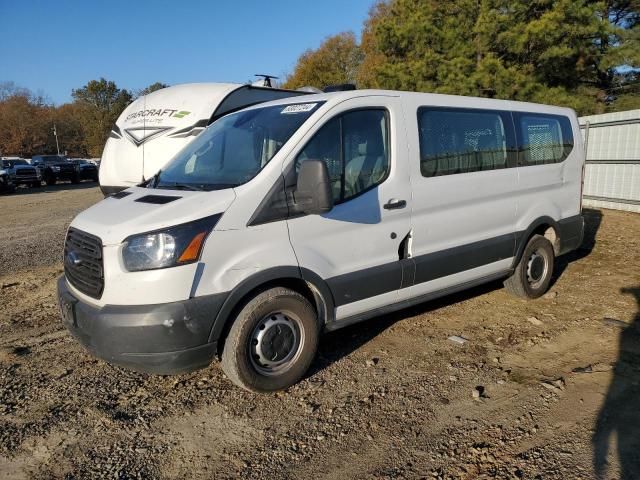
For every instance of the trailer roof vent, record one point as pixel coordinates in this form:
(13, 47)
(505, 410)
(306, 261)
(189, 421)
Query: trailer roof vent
(342, 87)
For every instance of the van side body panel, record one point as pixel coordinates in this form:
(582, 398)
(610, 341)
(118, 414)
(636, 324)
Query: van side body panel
(355, 246)
(550, 194)
(464, 224)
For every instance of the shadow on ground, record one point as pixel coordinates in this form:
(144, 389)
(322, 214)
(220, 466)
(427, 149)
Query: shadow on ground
(592, 221)
(343, 342)
(619, 417)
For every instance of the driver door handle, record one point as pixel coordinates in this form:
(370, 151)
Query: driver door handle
(395, 204)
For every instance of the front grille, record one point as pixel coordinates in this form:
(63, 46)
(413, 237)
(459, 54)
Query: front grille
(83, 262)
(26, 172)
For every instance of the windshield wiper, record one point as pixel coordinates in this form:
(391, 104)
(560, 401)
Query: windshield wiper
(180, 186)
(151, 182)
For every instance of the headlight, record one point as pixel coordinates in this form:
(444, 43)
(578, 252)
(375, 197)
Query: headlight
(55, 168)
(174, 246)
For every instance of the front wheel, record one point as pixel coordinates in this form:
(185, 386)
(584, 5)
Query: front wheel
(272, 341)
(532, 275)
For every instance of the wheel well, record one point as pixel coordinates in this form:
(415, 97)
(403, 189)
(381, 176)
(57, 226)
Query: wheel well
(550, 233)
(296, 284)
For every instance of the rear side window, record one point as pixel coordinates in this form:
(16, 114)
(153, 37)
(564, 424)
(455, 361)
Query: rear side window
(456, 140)
(355, 148)
(543, 139)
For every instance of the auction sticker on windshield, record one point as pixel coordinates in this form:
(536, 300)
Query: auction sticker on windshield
(299, 108)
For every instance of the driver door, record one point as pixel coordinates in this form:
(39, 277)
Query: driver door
(355, 247)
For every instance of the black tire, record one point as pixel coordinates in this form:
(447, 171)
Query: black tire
(75, 179)
(533, 273)
(273, 316)
(50, 180)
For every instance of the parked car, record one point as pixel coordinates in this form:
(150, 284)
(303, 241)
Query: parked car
(21, 172)
(88, 170)
(297, 216)
(6, 181)
(54, 168)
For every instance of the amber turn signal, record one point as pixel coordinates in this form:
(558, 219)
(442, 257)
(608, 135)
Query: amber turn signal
(192, 251)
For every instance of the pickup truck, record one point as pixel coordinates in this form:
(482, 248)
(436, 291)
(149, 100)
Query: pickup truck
(21, 172)
(55, 168)
(6, 181)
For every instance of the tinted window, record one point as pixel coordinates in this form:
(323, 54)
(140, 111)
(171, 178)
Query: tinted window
(13, 163)
(355, 148)
(461, 141)
(543, 138)
(53, 158)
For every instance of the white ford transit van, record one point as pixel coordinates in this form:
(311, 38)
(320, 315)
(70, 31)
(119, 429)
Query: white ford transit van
(304, 215)
(151, 130)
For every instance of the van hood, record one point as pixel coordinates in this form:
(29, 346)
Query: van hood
(138, 210)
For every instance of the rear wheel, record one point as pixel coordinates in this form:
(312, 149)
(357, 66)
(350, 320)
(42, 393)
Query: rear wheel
(50, 180)
(272, 341)
(532, 275)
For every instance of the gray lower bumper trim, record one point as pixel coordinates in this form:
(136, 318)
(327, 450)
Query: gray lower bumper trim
(165, 339)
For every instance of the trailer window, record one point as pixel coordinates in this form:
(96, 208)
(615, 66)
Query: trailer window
(544, 138)
(456, 141)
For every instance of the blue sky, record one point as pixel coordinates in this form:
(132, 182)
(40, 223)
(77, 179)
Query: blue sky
(53, 46)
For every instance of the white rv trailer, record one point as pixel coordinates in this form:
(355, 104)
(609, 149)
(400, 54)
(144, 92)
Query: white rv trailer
(153, 128)
(304, 215)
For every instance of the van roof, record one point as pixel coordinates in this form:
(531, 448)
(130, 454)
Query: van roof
(427, 99)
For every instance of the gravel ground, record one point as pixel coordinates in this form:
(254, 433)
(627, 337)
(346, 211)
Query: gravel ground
(543, 389)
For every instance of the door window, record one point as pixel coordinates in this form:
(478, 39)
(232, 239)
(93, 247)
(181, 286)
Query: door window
(355, 148)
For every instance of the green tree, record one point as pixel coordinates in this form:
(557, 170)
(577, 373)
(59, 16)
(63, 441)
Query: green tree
(335, 61)
(562, 52)
(101, 102)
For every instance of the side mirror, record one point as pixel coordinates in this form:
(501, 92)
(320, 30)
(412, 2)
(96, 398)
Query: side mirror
(313, 193)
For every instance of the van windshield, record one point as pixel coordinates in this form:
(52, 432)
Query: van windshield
(234, 148)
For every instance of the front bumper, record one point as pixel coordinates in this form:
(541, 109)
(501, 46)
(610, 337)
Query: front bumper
(163, 339)
(23, 180)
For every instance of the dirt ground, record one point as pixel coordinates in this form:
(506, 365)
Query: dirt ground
(542, 389)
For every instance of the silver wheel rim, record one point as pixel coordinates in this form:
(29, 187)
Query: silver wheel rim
(537, 269)
(276, 342)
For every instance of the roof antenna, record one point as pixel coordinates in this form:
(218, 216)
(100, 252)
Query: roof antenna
(266, 79)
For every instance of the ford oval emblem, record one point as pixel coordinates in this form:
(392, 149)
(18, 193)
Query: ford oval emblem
(72, 258)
